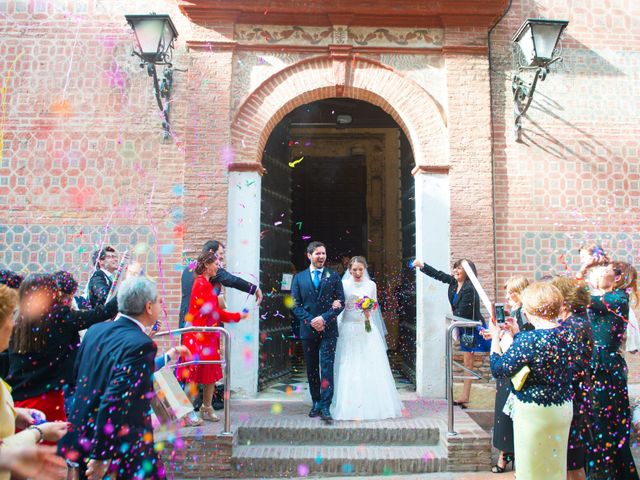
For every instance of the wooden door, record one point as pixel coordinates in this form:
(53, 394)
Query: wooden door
(329, 205)
(275, 260)
(407, 290)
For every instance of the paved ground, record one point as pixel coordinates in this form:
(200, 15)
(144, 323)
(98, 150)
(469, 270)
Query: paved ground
(275, 403)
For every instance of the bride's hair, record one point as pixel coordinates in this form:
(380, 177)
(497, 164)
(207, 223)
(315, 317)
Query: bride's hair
(357, 259)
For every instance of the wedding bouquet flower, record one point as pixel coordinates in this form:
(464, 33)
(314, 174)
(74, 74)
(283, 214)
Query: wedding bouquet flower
(366, 304)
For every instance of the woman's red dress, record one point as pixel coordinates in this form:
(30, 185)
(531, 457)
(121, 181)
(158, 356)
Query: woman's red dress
(204, 312)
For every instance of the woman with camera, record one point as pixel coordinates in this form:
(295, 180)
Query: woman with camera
(538, 363)
(502, 423)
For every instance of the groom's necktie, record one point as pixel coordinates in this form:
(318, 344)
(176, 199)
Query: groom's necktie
(316, 278)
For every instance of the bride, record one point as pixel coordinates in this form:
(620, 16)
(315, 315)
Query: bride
(364, 386)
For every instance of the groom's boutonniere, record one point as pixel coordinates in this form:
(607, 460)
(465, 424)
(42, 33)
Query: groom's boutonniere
(366, 305)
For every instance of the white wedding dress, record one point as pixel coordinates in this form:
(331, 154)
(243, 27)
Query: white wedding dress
(364, 388)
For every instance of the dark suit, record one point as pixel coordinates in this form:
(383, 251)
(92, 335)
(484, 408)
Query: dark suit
(110, 413)
(319, 347)
(99, 286)
(222, 278)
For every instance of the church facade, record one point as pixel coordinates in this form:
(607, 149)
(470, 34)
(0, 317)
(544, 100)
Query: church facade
(382, 128)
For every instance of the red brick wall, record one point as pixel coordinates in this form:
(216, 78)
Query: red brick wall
(83, 162)
(575, 177)
(82, 145)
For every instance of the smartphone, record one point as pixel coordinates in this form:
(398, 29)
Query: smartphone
(500, 316)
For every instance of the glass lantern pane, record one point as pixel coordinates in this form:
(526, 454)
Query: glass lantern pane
(545, 36)
(149, 33)
(526, 45)
(167, 36)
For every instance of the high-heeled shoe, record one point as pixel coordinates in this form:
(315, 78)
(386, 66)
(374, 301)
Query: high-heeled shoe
(462, 405)
(207, 414)
(508, 459)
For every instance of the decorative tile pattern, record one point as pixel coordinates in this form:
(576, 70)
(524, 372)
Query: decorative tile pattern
(555, 252)
(38, 248)
(290, 35)
(396, 37)
(341, 35)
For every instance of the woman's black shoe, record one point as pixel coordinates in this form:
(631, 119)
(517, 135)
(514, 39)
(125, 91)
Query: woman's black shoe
(314, 412)
(508, 459)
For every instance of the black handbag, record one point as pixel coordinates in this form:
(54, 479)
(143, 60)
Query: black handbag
(467, 338)
(218, 398)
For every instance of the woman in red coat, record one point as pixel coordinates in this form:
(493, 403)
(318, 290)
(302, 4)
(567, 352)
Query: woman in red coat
(205, 312)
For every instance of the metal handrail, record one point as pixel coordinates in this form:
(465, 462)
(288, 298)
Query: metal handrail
(456, 322)
(226, 361)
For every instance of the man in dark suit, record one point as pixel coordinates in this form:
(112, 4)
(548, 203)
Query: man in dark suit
(105, 262)
(314, 290)
(110, 419)
(222, 278)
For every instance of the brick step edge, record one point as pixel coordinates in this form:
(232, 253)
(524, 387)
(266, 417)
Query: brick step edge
(263, 461)
(337, 435)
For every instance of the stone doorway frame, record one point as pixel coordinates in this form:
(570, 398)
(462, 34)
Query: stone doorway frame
(343, 74)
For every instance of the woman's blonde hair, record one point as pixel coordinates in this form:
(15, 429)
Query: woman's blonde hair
(358, 259)
(516, 284)
(543, 300)
(627, 279)
(575, 293)
(8, 302)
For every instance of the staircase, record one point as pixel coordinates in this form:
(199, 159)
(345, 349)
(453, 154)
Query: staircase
(295, 445)
(276, 439)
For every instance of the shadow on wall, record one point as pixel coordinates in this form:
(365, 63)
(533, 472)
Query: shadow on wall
(579, 62)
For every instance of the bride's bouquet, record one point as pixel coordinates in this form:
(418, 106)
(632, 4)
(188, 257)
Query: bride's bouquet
(366, 304)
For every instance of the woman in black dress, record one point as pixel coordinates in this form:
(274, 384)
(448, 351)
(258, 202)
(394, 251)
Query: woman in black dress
(575, 320)
(609, 450)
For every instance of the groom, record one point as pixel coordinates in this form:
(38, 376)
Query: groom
(314, 290)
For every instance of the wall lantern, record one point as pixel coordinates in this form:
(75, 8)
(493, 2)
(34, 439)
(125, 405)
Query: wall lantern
(155, 35)
(536, 41)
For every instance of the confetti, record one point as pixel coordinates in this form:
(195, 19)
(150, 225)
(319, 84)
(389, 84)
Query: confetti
(288, 301)
(295, 162)
(167, 249)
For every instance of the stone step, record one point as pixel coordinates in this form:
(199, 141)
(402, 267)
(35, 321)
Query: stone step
(322, 460)
(314, 432)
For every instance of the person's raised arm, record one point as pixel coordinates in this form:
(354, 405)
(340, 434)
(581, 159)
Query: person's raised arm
(83, 319)
(432, 272)
(231, 281)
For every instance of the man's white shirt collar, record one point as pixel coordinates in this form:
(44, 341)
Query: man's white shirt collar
(313, 269)
(142, 327)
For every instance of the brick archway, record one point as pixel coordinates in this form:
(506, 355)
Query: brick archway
(341, 75)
